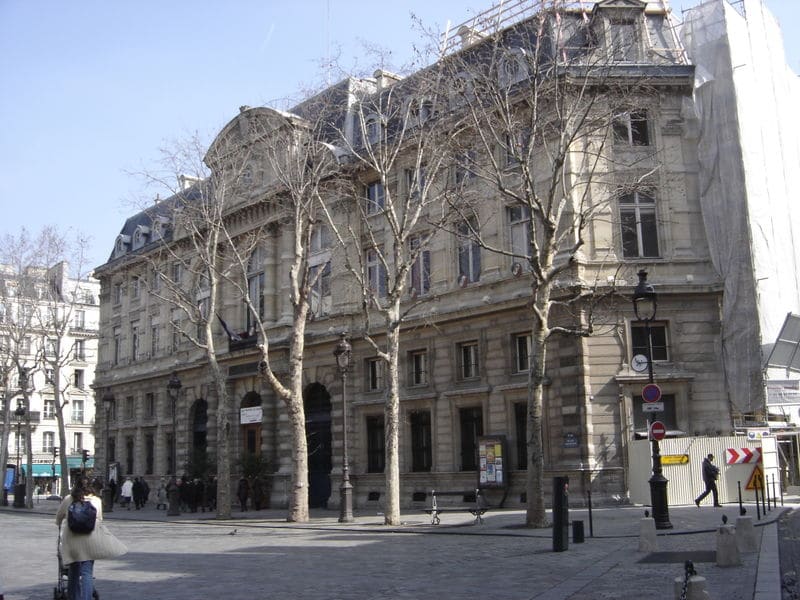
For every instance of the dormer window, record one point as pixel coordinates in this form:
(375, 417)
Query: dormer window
(122, 245)
(373, 129)
(623, 24)
(623, 40)
(140, 236)
(512, 68)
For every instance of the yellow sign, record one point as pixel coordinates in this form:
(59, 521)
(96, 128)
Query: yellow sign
(756, 477)
(675, 459)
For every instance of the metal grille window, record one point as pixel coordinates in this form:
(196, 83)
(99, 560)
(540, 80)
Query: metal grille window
(471, 428)
(375, 444)
(639, 227)
(421, 453)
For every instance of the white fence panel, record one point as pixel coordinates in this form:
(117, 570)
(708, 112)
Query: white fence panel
(686, 480)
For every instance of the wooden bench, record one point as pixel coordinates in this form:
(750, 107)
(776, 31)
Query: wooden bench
(473, 503)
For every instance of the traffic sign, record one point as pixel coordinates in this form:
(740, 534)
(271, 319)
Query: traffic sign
(658, 430)
(739, 456)
(653, 407)
(651, 393)
(756, 479)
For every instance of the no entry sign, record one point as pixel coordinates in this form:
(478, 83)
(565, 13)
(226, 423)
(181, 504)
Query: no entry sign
(651, 393)
(658, 430)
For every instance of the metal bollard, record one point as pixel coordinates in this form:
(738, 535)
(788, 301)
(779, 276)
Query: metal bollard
(577, 532)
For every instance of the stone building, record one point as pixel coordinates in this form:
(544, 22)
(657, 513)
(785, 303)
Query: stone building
(466, 350)
(48, 327)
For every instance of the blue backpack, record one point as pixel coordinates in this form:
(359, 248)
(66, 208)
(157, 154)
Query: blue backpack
(81, 516)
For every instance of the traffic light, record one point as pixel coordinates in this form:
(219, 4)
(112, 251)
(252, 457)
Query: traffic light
(85, 455)
(55, 452)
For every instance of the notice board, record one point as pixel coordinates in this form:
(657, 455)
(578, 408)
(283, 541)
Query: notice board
(492, 462)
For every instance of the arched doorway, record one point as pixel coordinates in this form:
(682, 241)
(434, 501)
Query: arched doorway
(251, 431)
(198, 459)
(317, 402)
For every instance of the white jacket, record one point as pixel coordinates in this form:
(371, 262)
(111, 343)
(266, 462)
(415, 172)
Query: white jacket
(77, 547)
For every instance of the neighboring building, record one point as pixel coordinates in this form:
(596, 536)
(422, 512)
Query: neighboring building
(467, 354)
(49, 321)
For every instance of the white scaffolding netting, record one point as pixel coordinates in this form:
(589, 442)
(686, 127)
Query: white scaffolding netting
(748, 148)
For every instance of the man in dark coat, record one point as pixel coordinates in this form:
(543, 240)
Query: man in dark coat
(710, 475)
(242, 491)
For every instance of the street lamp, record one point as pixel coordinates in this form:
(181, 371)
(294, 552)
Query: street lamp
(174, 389)
(108, 493)
(19, 413)
(343, 352)
(645, 302)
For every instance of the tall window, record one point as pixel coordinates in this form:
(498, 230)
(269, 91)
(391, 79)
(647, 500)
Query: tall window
(155, 332)
(135, 341)
(464, 168)
(522, 352)
(623, 40)
(519, 222)
(49, 411)
(116, 293)
(418, 367)
(373, 129)
(668, 416)
(129, 454)
(130, 408)
(203, 304)
(176, 325)
(630, 128)
(77, 411)
(375, 367)
(79, 320)
(135, 288)
(658, 335)
(176, 273)
(149, 453)
(375, 444)
(117, 345)
(471, 428)
(79, 379)
(150, 404)
(421, 453)
(521, 424)
(468, 360)
(48, 441)
(256, 279)
(375, 197)
(415, 181)
(320, 270)
(469, 253)
(376, 273)
(639, 229)
(421, 267)
(77, 442)
(79, 348)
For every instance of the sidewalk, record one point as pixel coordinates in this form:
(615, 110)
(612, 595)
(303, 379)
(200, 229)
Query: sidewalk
(608, 563)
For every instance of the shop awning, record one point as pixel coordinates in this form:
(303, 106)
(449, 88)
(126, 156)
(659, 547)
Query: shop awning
(46, 470)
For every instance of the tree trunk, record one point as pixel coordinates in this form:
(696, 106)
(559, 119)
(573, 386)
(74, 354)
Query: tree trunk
(535, 515)
(223, 440)
(392, 424)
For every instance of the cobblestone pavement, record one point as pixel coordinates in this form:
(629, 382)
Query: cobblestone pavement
(259, 555)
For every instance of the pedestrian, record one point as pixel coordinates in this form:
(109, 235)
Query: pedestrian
(145, 492)
(112, 485)
(138, 492)
(258, 493)
(211, 494)
(127, 492)
(161, 494)
(242, 491)
(80, 550)
(710, 475)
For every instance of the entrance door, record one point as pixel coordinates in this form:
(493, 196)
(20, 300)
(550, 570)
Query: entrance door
(318, 438)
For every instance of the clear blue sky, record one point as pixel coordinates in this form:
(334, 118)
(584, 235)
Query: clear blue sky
(90, 90)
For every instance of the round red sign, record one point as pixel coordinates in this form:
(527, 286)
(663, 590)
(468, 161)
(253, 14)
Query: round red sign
(658, 430)
(651, 393)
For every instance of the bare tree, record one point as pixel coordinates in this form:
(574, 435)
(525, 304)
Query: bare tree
(45, 286)
(399, 159)
(542, 101)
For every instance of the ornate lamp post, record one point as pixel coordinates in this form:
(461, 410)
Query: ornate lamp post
(108, 498)
(19, 413)
(174, 389)
(343, 352)
(645, 302)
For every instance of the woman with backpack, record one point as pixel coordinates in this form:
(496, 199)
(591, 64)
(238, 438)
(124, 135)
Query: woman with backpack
(84, 538)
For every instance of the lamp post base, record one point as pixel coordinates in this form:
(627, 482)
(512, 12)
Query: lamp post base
(658, 499)
(19, 495)
(108, 500)
(346, 502)
(174, 508)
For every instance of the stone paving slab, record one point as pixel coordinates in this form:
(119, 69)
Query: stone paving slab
(259, 555)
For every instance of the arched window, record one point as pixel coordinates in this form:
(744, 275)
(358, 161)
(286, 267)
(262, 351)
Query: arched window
(255, 287)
